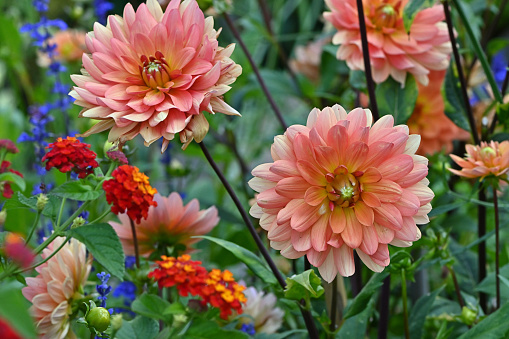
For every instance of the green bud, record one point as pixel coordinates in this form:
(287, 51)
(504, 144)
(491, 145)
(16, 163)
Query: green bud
(42, 200)
(79, 221)
(179, 319)
(3, 216)
(98, 318)
(116, 322)
(468, 316)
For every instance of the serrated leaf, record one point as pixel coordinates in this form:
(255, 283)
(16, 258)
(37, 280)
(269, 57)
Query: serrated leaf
(396, 101)
(411, 9)
(247, 257)
(453, 100)
(306, 283)
(102, 241)
(151, 305)
(138, 328)
(367, 292)
(75, 190)
(420, 311)
(13, 179)
(20, 201)
(494, 326)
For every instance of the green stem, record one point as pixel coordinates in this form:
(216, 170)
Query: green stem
(479, 52)
(34, 226)
(61, 211)
(101, 216)
(45, 259)
(405, 306)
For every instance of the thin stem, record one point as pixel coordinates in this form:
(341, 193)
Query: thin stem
(478, 51)
(367, 64)
(334, 305)
(405, 303)
(45, 259)
(135, 243)
(384, 308)
(456, 287)
(308, 318)
(265, 90)
(101, 217)
(481, 249)
(503, 90)
(356, 278)
(61, 211)
(470, 114)
(497, 247)
(34, 226)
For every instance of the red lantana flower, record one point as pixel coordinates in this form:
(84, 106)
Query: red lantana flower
(5, 186)
(222, 291)
(188, 275)
(130, 192)
(70, 154)
(9, 146)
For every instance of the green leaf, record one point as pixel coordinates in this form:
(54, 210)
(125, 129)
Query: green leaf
(151, 305)
(247, 257)
(75, 190)
(367, 292)
(205, 329)
(14, 309)
(420, 311)
(20, 201)
(411, 9)
(13, 179)
(453, 100)
(488, 284)
(175, 308)
(494, 326)
(306, 283)
(283, 335)
(355, 326)
(444, 208)
(138, 328)
(102, 241)
(396, 101)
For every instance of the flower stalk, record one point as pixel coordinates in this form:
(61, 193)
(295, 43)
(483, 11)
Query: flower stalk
(497, 248)
(135, 243)
(405, 303)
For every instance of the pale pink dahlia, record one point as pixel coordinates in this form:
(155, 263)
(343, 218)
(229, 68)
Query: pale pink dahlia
(153, 73)
(59, 283)
(339, 184)
(392, 51)
(169, 224)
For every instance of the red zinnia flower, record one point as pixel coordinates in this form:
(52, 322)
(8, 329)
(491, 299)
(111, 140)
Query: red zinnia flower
(5, 186)
(189, 276)
(223, 292)
(70, 154)
(130, 191)
(6, 330)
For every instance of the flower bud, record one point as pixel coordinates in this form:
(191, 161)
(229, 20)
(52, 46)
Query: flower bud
(116, 322)
(42, 200)
(3, 216)
(179, 319)
(77, 222)
(98, 318)
(468, 316)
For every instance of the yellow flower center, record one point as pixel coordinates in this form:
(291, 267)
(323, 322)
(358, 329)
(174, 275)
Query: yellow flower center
(343, 188)
(155, 71)
(385, 16)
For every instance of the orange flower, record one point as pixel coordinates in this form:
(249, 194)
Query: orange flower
(15, 249)
(70, 154)
(223, 292)
(189, 276)
(429, 120)
(481, 161)
(130, 191)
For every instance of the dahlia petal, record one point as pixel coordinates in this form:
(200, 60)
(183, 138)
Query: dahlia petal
(421, 191)
(220, 106)
(260, 185)
(270, 199)
(327, 158)
(303, 149)
(413, 143)
(343, 257)
(418, 173)
(364, 213)
(378, 152)
(366, 259)
(316, 258)
(99, 127)
(337, 220)
(352, 234)
(304, 217)
(371, 175)
(397, 167)
(154, 97)
(408, 205)
(319, 233)
(96, 112)
(263, 171)
(292, 187)
(177, 121)
(389, 216)
(285, 214)
(328, 269)
(384, 234)
(315, 195)
(370, 199)
(409, 230)
(369, 243)
(385, 190)
(285, 168)
(337, 138)
(311, 173)
(282, 148)
(181, 99)
(301, 240)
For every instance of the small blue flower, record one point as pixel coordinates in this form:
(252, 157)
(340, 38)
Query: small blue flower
(102, 7)
(103, 289)
(130, 261)
(248, 328)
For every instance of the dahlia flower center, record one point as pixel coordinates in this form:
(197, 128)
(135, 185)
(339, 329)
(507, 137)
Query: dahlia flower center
(155, 71)
(487, 151)
(385, 16)
(343, 188)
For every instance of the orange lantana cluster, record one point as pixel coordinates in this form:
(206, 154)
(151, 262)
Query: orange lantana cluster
(70, 154)
(130, 191)
(217, 288)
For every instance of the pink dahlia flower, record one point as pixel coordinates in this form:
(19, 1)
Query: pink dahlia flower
(153, 73)
(340, 184)
(59, 283)
(392, 51)
(169, 224)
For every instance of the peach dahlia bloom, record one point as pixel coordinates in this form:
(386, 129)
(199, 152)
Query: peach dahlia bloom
(59, 283)
(392, 51)
(169, 224)
(153, 73)
(340, 184)
(481, 161)
(428, 120)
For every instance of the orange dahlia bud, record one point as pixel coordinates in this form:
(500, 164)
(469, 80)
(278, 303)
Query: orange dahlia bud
(223, 292)
(189, 276)
(130, 191)
(70, 154)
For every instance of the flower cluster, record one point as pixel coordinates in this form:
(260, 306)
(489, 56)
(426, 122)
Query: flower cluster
(154, 73)
(167, 230)
(481, 161)
(217, 288)
(70, 154)
(392, 50)
(14, 248)
(130, 191)
(5, 186)
(340, 183)
(59, 283)
(8, 146)
(103, 288)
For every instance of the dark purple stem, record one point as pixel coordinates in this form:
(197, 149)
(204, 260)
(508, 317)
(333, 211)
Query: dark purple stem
(383, 324)
(497, 247)
(135, 243)
(481, 249)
